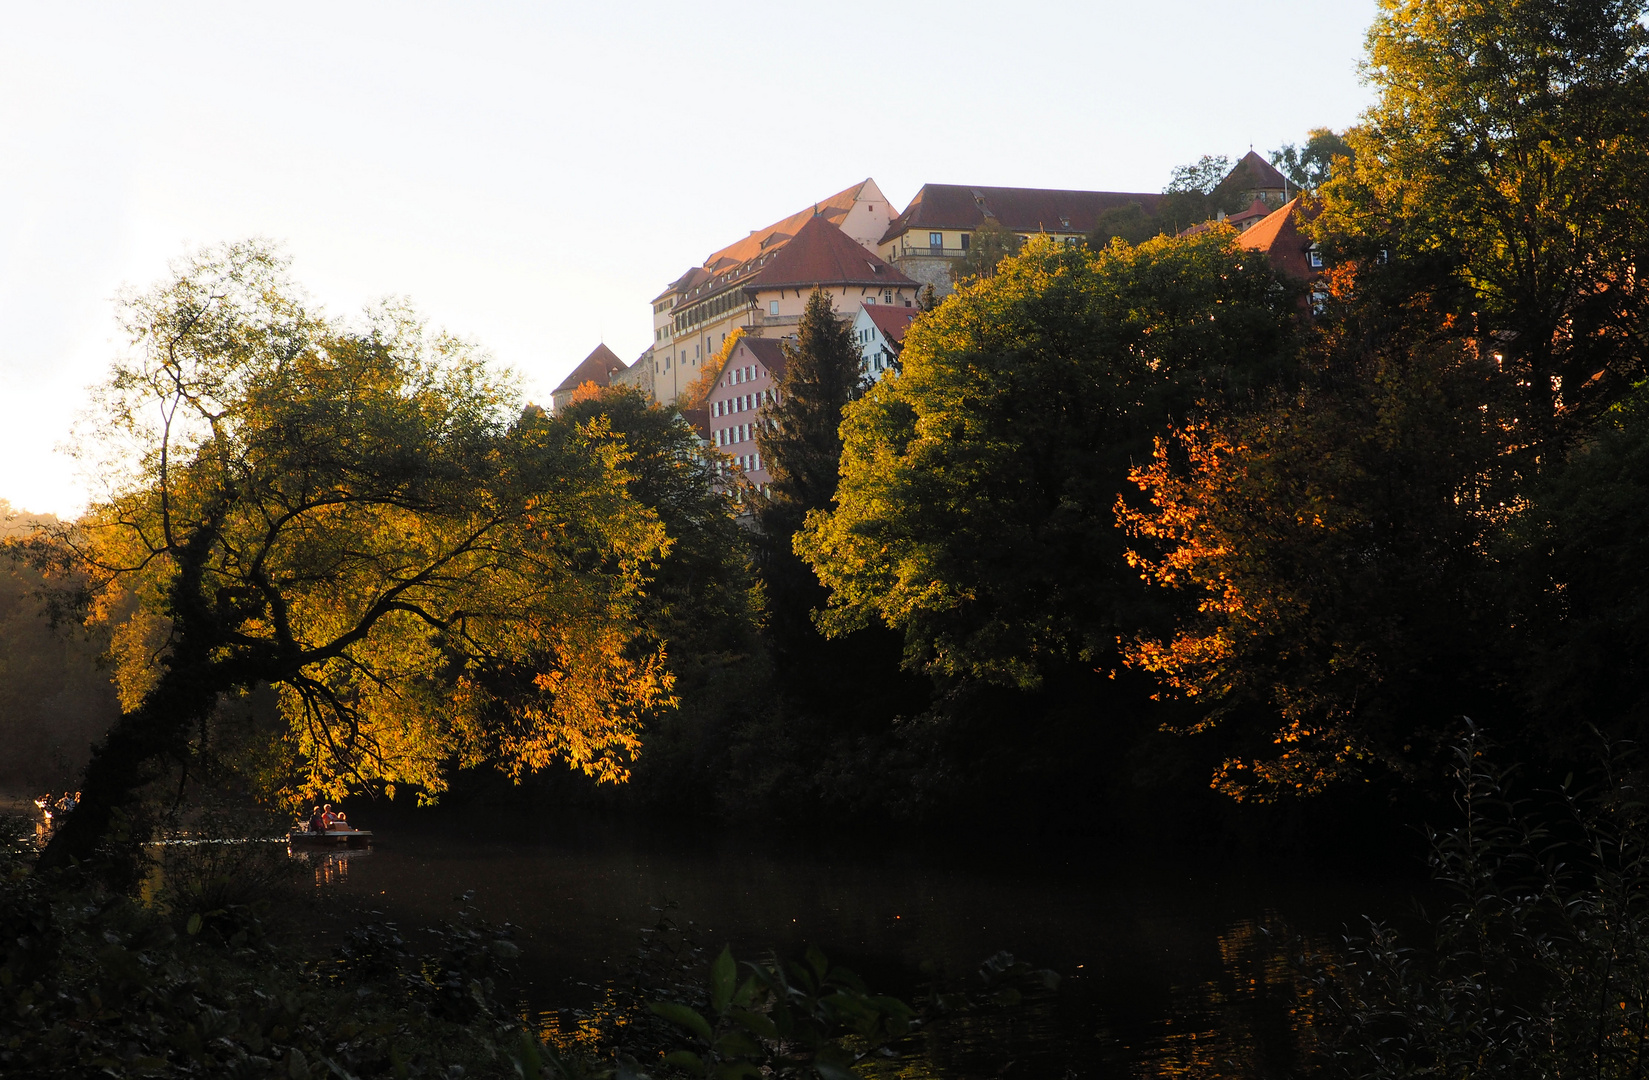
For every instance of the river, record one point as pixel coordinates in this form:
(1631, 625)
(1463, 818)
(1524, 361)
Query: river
(1167, 969)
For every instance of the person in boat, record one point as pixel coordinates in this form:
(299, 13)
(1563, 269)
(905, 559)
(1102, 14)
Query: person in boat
(339, 824)
(317, 823)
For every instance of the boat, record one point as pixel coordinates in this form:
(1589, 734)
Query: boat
(354, 838)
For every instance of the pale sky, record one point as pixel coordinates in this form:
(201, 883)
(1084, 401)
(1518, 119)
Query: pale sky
(531, 175)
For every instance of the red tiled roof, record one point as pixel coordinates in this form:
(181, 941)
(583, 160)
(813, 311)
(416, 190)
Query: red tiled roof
(699, 420)
(598, 368)
(1262, 175)
(822, 254)
(1279, 236)
(1025, 210)
(1257, 210)
(834, 209)
(769, 352)
(891, 321)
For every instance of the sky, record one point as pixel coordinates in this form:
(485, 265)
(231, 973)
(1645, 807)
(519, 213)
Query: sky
(530, 175)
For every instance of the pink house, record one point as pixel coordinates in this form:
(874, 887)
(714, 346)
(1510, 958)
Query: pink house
(748, 382)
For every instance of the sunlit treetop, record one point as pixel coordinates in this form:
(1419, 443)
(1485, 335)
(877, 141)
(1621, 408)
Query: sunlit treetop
(354, 516)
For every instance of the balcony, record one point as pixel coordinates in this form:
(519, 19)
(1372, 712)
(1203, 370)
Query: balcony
(930, 253)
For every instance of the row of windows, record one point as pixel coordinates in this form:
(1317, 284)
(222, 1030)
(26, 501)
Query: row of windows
(937, 239)
(742, 403)
(738, 433)
(742, 374)
(715, 308)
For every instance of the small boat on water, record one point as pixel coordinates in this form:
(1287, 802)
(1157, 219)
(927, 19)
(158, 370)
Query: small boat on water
(331, 838)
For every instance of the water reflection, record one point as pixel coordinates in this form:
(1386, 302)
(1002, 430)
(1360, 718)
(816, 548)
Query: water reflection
(331, 866)
(1167, 973)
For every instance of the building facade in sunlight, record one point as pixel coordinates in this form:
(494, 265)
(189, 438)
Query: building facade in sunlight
(748, 284)
(936, 229)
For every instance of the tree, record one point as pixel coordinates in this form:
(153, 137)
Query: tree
(697, 392)
(991, 243)
(55, 699)
(1128, 222)
(702, 605)
(1310, 166)
(1341, 548)
(1199, 191)
(348, 515)
(974, 514)
(799, 435)
(1327, 545)
(1507, 159)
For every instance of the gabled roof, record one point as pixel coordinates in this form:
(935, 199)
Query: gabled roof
(891, 321)
(769, 352)
(598, 368)
(1257, 211)
(1262, 175)
(834, 209)
(1025, 210)
(1279, 236)
(822, 254)
(698, 419)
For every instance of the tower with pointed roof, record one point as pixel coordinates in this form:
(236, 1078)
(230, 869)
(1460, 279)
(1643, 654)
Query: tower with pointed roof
(598, 368)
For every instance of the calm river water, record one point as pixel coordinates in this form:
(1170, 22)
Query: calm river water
(1167, 970)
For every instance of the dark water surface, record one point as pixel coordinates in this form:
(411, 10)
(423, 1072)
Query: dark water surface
(1168, 969)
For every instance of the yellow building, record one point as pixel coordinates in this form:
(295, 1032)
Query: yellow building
(935, 230)
(694, 315)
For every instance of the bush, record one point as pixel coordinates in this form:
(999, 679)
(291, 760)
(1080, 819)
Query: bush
(1538, 966)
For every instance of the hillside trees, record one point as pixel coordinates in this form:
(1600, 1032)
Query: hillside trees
(702, 603)
(349, 516)
(1387, 550)
(975, 509)
(54, 699)
(1507, 160)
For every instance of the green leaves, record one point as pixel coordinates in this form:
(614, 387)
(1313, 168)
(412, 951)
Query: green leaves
(722, 975)
(683, 1017)
(786, 1019)
(975, 506)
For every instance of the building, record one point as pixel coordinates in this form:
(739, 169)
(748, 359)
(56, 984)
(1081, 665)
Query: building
(598, 368)
(938, 225)
(694, 314)
(639, 375)
(1290, 250)
(749, 380)
(1255, 178)
(879, 331)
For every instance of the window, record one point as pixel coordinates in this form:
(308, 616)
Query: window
(887, 296)
(1315, 257)
(965, 237)
(936, 239)
(870, 299)
(772, 307)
